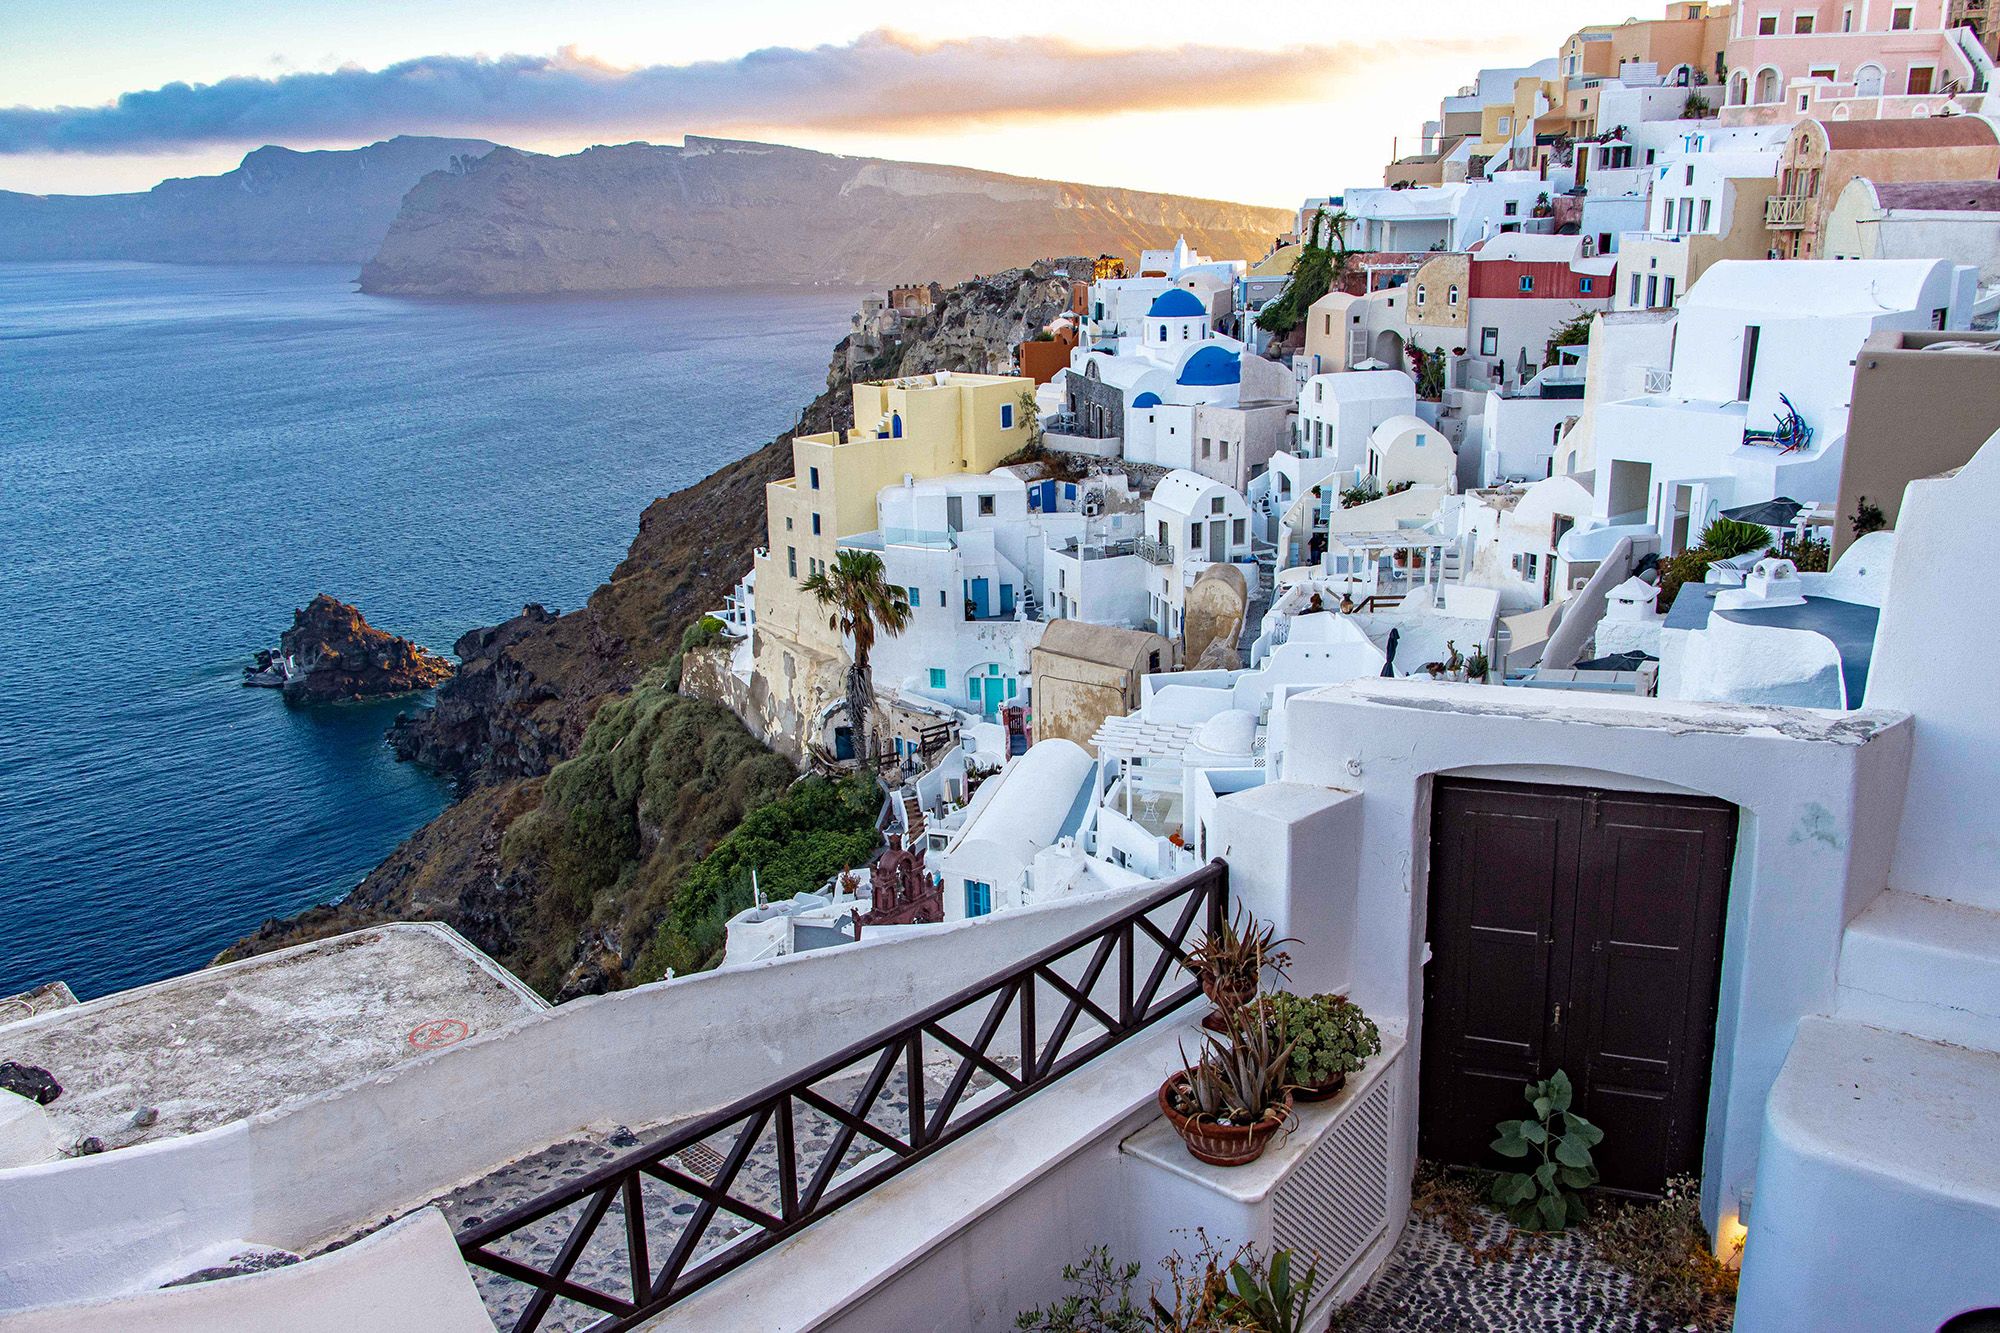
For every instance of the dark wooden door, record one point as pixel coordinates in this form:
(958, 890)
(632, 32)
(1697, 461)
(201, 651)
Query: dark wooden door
(1574, 929)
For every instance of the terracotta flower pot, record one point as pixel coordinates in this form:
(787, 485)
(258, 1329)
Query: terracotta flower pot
(1219, 1145)
(1324, 1092)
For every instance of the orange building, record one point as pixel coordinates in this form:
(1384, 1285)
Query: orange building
(1042, 359)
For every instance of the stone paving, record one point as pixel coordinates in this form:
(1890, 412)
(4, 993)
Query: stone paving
(603, 1265)
(1433, 1284)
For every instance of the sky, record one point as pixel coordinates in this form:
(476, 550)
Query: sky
(1265, 104)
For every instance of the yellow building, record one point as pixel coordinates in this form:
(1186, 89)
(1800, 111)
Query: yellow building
(919, 426)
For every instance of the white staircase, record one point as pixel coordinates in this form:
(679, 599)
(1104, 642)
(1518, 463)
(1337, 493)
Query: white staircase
(1923, 966)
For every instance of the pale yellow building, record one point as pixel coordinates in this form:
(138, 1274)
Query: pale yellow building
(919, 426)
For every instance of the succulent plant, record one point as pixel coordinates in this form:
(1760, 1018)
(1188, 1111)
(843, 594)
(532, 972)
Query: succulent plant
(1240, 1077)
(1328, 1035)
(1234, 955)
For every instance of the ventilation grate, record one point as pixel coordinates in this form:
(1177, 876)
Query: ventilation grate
(1335, 1203)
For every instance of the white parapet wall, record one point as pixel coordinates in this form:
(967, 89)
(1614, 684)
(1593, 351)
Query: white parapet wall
(321, 1168)
(406, 1278)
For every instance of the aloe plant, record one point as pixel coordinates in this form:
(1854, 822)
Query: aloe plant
(1546, 1197)
(1240, 1076)
(1238, 950)
(1266, 1298)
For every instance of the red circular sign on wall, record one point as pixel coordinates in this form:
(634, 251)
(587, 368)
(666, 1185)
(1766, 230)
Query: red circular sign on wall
(437, 1033)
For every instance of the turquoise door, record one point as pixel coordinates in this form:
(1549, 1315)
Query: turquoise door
(981, 598)
(1006, 599)
(978, 898)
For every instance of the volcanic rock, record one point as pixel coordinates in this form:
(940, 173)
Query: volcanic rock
(338, 655)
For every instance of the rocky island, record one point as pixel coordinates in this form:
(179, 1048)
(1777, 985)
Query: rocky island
(331, 652)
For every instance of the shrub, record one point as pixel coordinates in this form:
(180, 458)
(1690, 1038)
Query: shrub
(1867, 517)
(1205, 1292)
(1360, 493)
(1547, 1197)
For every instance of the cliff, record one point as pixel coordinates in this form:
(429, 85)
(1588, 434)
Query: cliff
(515, 726)
(719, 212)
(279, 206)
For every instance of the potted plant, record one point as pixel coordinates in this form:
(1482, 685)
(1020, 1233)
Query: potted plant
(1454, 661)
(1228, 1103)
(1230, 960)
(1478, 666)
(1328, 1035)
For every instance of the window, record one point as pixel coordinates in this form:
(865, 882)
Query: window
(1827, 72)
(1204, 446)
(1527, 282)
(1746, 378)
(1420, 296)
(1704, 214)
(792, 561)
(1689, 178)
(1222, 450)
(1513, 208)
(1236, 532)
(1687, 215)
(788, 523)
(1635, 289)
(1847, 20)
(1767, 25)
(1506, 124)
(937, 678)
(1585, 284)
(1802, 24)
(1489, 342)
(986, 506)
(1900, 20)
(978, 898)
(1652, 290)
(812, 477)
(1451, 296)
(815, 525)
(944, 597)
(1215, 505)
(1667, 292)
(1006, 416)
(1920, 80)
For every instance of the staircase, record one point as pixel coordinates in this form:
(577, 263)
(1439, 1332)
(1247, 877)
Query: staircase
(913, 816)
(1923, 966)
(1031, 605)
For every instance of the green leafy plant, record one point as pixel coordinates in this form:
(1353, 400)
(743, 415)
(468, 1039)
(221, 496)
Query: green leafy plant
(1266, 1297)
(1318, 267)
(860, 603)
(1100, 1300)
(1572, 332)
(1727, 538)
(1360, 493)
(1428, 369)
(1809, 554)
(1478, 666)
(1547, 1197)
(1696, 107)
(1328, 1034)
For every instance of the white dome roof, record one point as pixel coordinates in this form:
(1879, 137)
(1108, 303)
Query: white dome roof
(1232, 731)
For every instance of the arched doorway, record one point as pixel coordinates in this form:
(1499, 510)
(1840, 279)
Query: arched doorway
(1868, 81)
(1388, 349)
(1739, 88)
(1581, 929)
(1769, 85)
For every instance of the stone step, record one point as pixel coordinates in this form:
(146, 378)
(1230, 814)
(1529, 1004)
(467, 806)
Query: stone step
(1923, 966)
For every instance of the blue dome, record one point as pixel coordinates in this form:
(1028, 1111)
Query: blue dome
(1212, 365)
(1147, 399)
(1176, 303)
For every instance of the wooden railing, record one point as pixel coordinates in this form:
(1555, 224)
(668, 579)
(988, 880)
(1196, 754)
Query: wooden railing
(644, 1259)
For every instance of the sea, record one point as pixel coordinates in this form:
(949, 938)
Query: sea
(189, 453)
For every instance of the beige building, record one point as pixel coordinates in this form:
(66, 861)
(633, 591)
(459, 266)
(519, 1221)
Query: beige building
(1918, 220)
(1085, 673)
(919, 426)
(1821, 157)
(1653, 264)
(1948, 381)
(1441, 303)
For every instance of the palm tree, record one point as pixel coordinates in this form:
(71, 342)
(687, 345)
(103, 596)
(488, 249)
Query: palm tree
(863, 604)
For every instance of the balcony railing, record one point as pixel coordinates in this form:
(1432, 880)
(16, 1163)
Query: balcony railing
(1155, 552)
(1126, 974)
(1659, 379)
(1786, 212)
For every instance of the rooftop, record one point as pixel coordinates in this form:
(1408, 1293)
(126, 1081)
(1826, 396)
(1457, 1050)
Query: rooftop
(1809, 288)
(1940, 196)
(1927, 132)
(223, 1044)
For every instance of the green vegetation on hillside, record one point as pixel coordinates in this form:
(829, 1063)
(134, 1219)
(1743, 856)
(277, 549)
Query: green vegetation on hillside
(1315, 271)
(644, 841)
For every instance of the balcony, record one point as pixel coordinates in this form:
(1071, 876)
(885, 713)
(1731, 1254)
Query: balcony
(1786, 212)
(1155, 553)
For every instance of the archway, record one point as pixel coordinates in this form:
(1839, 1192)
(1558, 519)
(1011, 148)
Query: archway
(1868, 81)
(1739, 88)
(1769, 85)
(1388, 349)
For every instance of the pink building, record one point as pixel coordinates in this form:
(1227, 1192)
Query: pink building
(1850, 60)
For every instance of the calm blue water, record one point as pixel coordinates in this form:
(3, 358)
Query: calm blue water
(187, 454)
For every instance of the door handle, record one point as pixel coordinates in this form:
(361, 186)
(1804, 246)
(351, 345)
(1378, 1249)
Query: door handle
(1557, 1024)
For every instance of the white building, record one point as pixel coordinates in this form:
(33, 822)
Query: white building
(1752, 337)
(1444, 217)
(1192, 522)
(1035, 801)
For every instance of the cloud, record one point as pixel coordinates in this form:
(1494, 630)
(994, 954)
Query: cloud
(880, 81)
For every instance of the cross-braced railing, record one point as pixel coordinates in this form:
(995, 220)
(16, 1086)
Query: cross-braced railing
(625, 1241)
